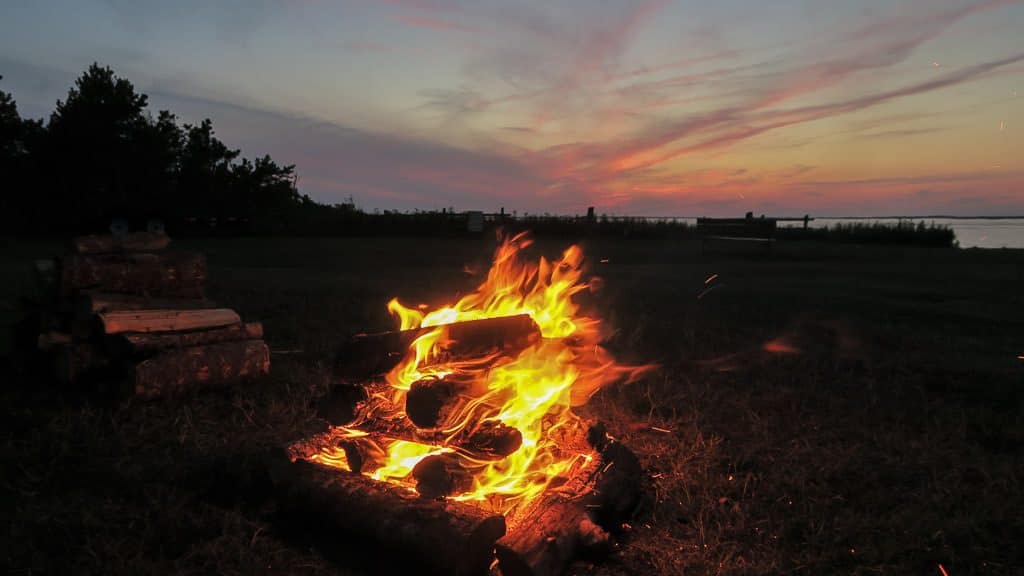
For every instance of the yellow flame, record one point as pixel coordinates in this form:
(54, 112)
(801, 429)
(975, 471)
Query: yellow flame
(531, 392)
(403, 456)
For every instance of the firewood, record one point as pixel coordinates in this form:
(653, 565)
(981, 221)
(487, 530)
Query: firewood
(133, 344)
(89, 303)
(442, 475)
(363, 454)
(432, 401)
(118, 321)
(564, 521)
(175, 371)
(351, 512)
(181, 275)
(134, 242)
(370, 354)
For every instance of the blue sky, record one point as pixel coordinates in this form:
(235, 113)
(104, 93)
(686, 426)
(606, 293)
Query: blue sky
(660, 107)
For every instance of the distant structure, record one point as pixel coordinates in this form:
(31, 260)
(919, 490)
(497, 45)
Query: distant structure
(474, 221)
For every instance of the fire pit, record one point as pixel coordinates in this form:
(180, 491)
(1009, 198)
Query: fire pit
(459, 443)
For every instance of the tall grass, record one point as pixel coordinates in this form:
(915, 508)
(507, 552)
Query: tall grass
(902, 232)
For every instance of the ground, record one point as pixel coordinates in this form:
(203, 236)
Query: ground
(820, 409)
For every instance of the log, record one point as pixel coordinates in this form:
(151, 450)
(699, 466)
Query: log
(442, 475)
(432, 402)
(181, 275)
(118, 321)
(563, 522)
(363, 454)
(174, 371)
(134, 344)
(370, 354)
(106, 244)
(370, 409)
(89, 303)
(349, 513)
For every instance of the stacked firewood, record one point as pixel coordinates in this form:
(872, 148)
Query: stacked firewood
(121, 310)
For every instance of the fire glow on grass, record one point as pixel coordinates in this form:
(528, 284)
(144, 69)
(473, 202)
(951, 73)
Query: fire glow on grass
(531, 392)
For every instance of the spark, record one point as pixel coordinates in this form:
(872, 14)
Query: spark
(711, 279)
(936, 64)
(943, 570)
(604, 260)
(663, 430)
(1021, 357)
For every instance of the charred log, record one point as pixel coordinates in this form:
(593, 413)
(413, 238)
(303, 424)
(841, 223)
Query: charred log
(364, 455)
(427, 399)
(175, 371)
(442, 475)
(564, 521)
(370, 354)
(351, 511)
(179, 275)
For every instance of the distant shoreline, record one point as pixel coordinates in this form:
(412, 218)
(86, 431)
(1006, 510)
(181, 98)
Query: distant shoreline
(944, 217)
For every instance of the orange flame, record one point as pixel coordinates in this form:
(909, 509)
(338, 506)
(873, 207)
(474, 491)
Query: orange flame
(531, 392)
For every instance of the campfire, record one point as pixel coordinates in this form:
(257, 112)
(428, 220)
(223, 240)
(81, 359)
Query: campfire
(468, 410)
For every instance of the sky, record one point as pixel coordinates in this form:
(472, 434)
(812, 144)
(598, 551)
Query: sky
(647, 108)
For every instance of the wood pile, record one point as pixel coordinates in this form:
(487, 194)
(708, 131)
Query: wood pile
(120, 310)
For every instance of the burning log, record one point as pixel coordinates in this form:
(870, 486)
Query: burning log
(574, 516)
(427, 399)
(106, 244)
(431, 402)
(370, 354)
(118, 321)
(145, 343)
(441, 475)
(179, 275)
(443, 536)
(363, 455)
(174, 371)
(371, 410)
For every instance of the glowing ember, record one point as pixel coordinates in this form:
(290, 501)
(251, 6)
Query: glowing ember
(531, 392)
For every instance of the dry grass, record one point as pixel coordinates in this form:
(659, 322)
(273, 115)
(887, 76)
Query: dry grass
(823, 410)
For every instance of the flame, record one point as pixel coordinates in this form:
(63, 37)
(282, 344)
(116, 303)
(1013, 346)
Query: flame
(531, 392)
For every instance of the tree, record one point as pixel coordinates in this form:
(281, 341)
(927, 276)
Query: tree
(95, 148)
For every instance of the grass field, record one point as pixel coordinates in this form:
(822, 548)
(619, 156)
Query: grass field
(829, 409)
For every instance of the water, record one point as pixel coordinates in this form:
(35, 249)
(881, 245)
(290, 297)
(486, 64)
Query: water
(970, 232)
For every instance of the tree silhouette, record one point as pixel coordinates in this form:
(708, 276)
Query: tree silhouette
(102, 155)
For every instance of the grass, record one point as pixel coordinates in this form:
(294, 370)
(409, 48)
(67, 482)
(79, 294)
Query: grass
(823, 409)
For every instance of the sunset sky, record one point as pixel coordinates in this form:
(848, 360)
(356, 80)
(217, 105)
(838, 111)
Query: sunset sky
(832, 107)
